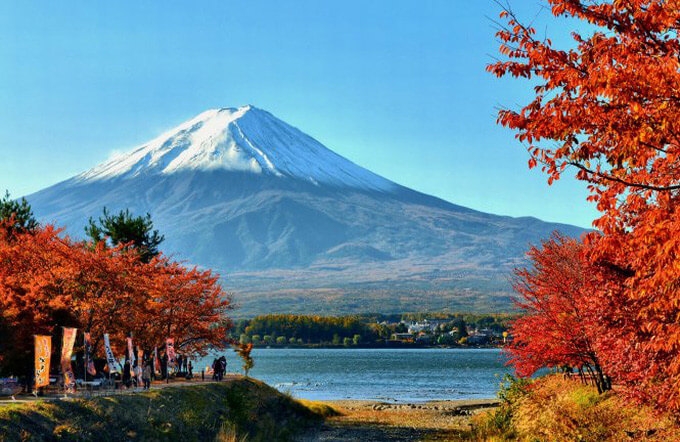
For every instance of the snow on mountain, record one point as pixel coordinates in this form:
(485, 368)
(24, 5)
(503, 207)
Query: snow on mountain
(244, 139)
(294, 227)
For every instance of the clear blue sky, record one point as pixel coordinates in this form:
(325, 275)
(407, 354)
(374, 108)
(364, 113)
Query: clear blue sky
(398, 87)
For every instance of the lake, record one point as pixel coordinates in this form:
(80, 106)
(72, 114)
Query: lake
(401, 375)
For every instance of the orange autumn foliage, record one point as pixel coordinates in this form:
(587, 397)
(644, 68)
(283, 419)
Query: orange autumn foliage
(47, 281)
(609, 107)
(575, 316)
(559, 298)
(187, 304)
(33, 299)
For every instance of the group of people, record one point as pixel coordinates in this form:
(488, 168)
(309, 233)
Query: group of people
(182, 366)
(146, 375)
(219, 368)
(131, 377)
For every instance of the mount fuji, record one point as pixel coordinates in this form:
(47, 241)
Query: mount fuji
(294, 227)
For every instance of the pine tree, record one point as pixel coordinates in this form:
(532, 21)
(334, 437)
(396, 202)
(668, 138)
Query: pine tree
(135, 232)
(16, 216)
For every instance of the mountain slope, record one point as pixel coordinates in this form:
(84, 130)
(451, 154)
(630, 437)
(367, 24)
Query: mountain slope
(245, 139)
(292, 226)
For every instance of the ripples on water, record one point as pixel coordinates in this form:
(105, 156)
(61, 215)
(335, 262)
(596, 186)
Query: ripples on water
(396, 375)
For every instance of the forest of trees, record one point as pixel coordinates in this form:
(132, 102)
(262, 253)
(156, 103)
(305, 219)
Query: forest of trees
(49, 281)
(607, 107)
(364, 330)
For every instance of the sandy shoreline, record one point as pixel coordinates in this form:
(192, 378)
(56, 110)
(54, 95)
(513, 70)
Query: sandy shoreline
(429, 404)
(382, 421)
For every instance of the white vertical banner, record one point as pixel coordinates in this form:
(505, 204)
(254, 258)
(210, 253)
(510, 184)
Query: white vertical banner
(110, 359)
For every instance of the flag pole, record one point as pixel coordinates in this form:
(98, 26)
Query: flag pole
(86, 358)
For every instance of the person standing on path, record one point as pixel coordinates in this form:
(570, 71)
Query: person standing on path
(215, 368)
(146, 376)
(127, 375)
(223, 367)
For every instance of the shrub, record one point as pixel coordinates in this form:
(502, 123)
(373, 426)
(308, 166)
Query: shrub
(554, 408)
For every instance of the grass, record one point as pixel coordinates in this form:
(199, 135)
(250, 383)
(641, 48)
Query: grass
(554, 408)
(229, 433)
(244, 409)
(320, 408)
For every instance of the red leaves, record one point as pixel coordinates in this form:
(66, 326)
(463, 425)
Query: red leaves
(614, 92)
(557, 297)
(47, 281)
(612, 110)
(188, 304)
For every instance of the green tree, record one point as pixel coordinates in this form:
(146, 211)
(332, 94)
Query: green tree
(17, 215)
(461, 326)
(446, 339)
(123, 228)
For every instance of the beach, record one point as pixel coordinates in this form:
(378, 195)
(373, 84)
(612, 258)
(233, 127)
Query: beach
(381, 421)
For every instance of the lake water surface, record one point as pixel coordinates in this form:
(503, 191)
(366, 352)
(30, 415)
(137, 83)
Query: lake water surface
(401, 375)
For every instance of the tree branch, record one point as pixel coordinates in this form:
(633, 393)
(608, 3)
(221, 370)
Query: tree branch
(624, 182)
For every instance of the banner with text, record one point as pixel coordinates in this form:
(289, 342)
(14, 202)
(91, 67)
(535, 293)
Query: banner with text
(110, 359)
(131, 355)
(156, 361)
(66, 352)
(170, 350)
(88, 354)
(43, 349)
(140, 365)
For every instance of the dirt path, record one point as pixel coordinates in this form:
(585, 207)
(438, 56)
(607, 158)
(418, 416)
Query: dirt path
(376, 421)
(54, 394)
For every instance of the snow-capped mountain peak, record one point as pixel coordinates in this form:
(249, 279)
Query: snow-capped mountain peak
(244, 139)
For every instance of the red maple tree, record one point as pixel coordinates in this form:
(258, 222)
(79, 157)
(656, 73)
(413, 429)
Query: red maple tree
(560, 297)
(609, 107)
(48, 280)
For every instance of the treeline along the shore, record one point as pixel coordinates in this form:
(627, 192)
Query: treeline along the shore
(424, 329)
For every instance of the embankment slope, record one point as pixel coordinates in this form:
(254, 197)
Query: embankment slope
(242, 407)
